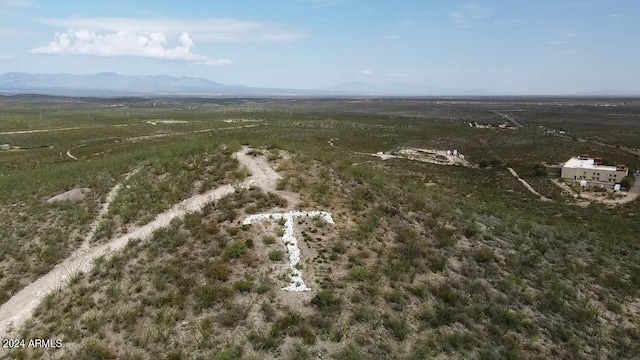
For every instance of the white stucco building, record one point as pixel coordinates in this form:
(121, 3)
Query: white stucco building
(590, 169)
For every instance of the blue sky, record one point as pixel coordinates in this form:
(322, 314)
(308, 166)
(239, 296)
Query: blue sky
(509, 47)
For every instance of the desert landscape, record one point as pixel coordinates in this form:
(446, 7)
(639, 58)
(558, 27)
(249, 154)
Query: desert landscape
(315, 228)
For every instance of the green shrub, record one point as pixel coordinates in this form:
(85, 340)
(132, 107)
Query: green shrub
(206, 295)
(438, 262)
(244, 285)
(351, 352)
(440, 315)
(627, 182)
(540, 170)
(94, 350)
(399, 327)
(231, 353)
(276, 255)
(495, 162)
(396, 300)
(339, 247)
(325, 299)
(361, 273)
(219, 271)
(232, 316)
(263, 289)
(236, 249)
(263, 341)
(483, 255)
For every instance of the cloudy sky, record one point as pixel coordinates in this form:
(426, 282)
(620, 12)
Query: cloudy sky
(510, 47)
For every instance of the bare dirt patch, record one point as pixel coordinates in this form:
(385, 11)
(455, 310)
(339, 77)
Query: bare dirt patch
(73, 195)
(438, 157)
(590, 196)
(156, 122)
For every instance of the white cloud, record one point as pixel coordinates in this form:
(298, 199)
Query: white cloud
(365, 72)
(201, 30)
(6, 5)
(150, 38)
(611, 16)
(211, 62)
(404, 75)
(125, 43)
(459, 18)
(564, 38)
(5, 57)
(468, 14)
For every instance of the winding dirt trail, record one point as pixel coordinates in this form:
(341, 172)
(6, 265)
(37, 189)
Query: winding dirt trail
(526, 184)
(19, 308)
(19, 132)
(111, 195)
(71, 156)
(262, 175)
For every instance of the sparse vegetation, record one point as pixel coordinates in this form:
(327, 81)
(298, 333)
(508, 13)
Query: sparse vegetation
(424, 261)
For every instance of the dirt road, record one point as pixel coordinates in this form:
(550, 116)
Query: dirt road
(507, 117)
(39, 131)
(526, 184)
(18, 309)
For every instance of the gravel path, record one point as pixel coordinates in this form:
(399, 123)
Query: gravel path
(19, 308)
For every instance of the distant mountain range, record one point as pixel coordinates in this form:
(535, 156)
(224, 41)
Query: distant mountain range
(112, 84)
(115, 84)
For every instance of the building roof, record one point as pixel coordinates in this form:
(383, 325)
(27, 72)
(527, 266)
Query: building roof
(588, 163)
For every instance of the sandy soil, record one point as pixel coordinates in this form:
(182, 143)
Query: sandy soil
(384, 156)
(18, 309)
(629, 197)
(262, 175)
(423, 155)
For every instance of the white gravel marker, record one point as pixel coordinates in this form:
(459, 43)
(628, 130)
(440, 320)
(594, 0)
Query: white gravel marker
(289, 239)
